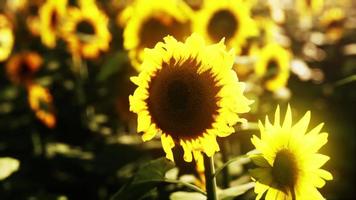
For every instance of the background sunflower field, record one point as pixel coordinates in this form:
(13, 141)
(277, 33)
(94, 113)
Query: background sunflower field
(66, 128)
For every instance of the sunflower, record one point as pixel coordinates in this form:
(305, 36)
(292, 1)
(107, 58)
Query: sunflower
(21, 68)
(6, 38)
(150, 21)
(33, 21)
(41, 102)
(51, 14)
(289, 165)
(333, 21)
(85, 30)
(248, 54)
(189, 94)
(267, 30)
(272, 66)
(309, 7)
(229, 19)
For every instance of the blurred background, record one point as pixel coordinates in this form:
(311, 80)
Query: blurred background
(66, 131)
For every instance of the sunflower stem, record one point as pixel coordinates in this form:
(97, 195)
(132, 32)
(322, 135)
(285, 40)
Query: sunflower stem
(81, 71)
(210, 178)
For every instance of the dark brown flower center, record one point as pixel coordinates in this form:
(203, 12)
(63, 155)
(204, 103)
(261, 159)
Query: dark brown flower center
(154, 29)
(54, 19)
(335, 24)
(182, 102)
(284, 170)
(272, 70)
(85, 27)
(222, 24)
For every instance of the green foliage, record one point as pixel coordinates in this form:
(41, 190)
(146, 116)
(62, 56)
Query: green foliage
(145, 180)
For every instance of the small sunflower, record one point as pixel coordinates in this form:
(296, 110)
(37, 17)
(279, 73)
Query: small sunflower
(272, 66)
(33, 21)
(6, 38)
(41, 102)
(150, 21)
(51, 14)
(333, 21)
(309, 7)
(244, 68)
(86, 30)
(267, 30)
(21, 68)
(188, 93)
(289, 163)
(229, 19)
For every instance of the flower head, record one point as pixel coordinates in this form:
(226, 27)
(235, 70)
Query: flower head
(289, 163)
(229, 19)
(273, 66)
(51, 15)
(150, 22)
(22, 67)
(309, 7)
(189, 94)
(41, 102)
(333, 21)
(85, 30)
(6, 38)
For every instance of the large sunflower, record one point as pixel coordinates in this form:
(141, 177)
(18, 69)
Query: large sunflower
(86, 31)
(150, 22)
(289, 165)
(51, 14)
(6, 38)
(41, 102)
(188, 93)
(21, 67)
(229, 19)
(272, 66)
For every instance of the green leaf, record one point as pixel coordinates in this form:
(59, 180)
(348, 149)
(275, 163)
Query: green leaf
(232, 192)
(112, 65)
(145, 180)
(187, 195)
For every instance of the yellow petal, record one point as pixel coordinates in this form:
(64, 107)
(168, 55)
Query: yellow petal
(150, 133)
(287, 124)
(277, 117)
(325, 174)
(187, 151)
(301, 126)
(143, 121)
(167, 144)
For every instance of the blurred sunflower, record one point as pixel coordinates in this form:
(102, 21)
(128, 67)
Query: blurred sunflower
(51, 15)
(272, 66)
(266, 30)
(6, 38)
(41, 102)
(21, 67)
(333, 21)
(249, 51)
(309, 7)
(86, 30)
(188, 93)
(289, 163)
(150, 21)
(33, 21)
(16, 5)
(229, 19)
